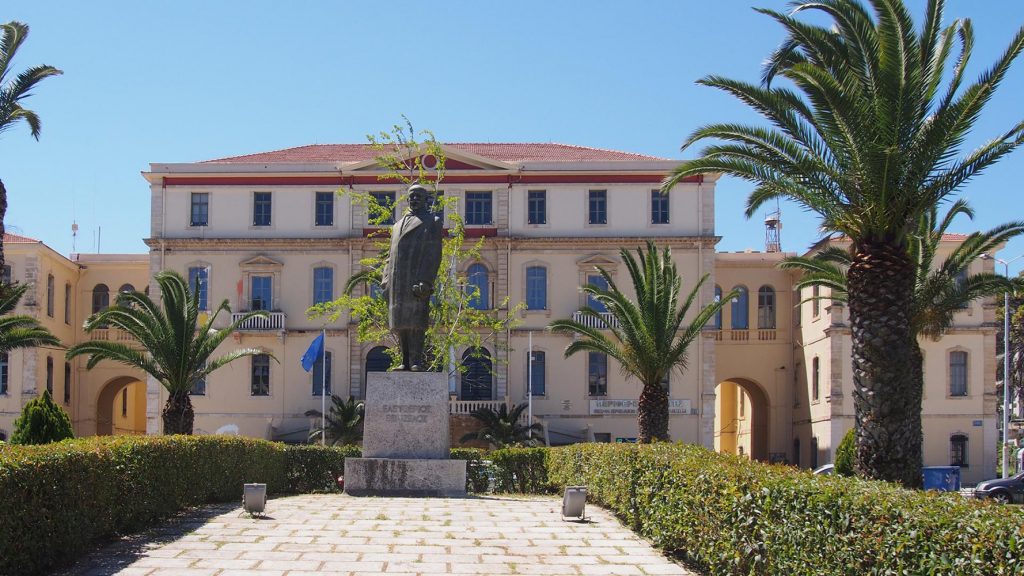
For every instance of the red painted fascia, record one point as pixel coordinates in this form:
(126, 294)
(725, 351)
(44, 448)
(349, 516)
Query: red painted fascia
(449, 179)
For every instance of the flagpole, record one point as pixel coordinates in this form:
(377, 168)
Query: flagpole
(323, 389)
(529, 382)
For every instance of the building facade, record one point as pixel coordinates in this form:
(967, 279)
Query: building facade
(279, 232)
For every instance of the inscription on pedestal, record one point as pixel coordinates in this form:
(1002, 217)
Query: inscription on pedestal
(406, 415)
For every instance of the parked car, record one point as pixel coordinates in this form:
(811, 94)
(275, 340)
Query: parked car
(825, 469)
(1005, 490)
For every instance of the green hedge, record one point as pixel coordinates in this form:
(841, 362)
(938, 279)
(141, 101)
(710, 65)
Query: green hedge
(477, 477)
(727, 515)
(59, 499)
(522, 470)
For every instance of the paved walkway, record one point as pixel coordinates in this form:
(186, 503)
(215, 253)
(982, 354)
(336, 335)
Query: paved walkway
(331, 535)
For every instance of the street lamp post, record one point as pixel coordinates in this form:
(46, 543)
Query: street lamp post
(1006, 362)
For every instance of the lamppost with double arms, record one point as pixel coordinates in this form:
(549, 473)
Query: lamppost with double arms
(1006, 361)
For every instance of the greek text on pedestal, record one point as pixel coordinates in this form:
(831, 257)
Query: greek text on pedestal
(406, 412)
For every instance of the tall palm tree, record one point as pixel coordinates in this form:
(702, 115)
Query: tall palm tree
(502, 427)
(870, 141)
(647, 337)
(172, 346)
(19, 330)
(12, 92)
(940, 290)
(344, 421)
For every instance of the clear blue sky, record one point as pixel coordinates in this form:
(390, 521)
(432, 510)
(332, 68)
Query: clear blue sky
(192, 80)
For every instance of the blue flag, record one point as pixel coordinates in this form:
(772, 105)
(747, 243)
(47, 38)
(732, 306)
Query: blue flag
(313, 353)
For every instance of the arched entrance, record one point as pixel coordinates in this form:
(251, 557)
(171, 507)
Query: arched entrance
(741, 419)
(121, 407)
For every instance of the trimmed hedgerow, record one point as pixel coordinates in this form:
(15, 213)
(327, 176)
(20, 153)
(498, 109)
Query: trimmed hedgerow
(58, 499)
(521, 470)
(477, 479)
(731, 516)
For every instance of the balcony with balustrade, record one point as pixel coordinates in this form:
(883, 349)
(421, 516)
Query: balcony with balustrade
(274, 321)
(605, 321)
(746, 336)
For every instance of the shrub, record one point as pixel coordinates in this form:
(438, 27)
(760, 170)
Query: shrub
(520, 470)
(61, 498)
(477, 470)
(727, 515)
(845, 454)
(42, 422)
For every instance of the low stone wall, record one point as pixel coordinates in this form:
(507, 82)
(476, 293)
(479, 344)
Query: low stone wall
(462, 424)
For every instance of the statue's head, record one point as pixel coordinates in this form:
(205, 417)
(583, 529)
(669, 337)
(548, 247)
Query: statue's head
(419, 197)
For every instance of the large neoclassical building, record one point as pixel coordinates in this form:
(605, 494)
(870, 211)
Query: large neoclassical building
(277, 231)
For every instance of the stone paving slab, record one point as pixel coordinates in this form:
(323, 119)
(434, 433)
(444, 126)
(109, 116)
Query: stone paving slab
(334, 535)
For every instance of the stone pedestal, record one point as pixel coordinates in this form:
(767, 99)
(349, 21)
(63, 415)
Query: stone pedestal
(405, 439)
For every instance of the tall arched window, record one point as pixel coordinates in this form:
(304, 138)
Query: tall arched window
(100, 298)
(766, 308)
(814, 452)
(478, 279)
(377, 360)
(50, 295)
(126, 289)
(5, 372)
(796, 452)
(740, 309)
(718, 315)
(958, 373)
(478, 377)
(815, 378)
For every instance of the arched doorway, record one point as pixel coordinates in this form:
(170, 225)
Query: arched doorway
(121, 407)
(741, 419)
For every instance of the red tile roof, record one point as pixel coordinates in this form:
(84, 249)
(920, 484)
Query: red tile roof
(506, 152)
(17, 239)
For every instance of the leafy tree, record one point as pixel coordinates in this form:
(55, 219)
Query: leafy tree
(19, 330)
(870, 141)
(846, 452)
(41, 422)
(12, 93)
(503, 428)
(455, 323)
(648, 336)
(344, 421)
(172, 346)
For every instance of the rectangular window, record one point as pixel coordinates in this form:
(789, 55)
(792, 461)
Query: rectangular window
(261, 292)
(958, 450)
(382, 210)
(815, 378)
(536, 288)
(67, 383)
(798, 307)
(598, 207)
(815, 301)
(536, 371)
(958, 373)
(67, 303)
(478, 208)
(261, 208)
(199, 388)
(597, 281)
(323, 285)
(537, 207)
(124, 402)
(318, 374)
(659, 207)
(49, 375)
(51, 295)
(260, 375)
(324, 209)
(5, 362)
(200, 209)
(597, 374)
(198, 282)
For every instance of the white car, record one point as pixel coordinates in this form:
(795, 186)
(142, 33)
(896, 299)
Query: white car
(825, 469)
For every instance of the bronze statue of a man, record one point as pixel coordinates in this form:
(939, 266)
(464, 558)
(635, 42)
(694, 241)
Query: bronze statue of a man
(409, 275)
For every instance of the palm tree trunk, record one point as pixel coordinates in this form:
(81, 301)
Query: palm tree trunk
(886, 385)
(3, 214)
(652, 413)
(178, 414)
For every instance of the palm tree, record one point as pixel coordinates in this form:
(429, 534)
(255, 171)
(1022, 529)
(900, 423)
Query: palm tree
(647, 337)
(172, 347)
(344, 421)
(870, 141)
(503, 428)
(940, 291)
(19, 330)
(12, 93)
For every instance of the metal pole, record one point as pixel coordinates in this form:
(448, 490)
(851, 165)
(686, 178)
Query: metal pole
(1006, 378)
(323, 389)
(529, 382)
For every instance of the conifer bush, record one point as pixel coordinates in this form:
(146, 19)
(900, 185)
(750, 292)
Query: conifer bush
(42, 421)
(845, 454)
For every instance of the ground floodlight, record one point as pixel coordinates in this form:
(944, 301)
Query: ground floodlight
(574, 501)
(254, 498)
